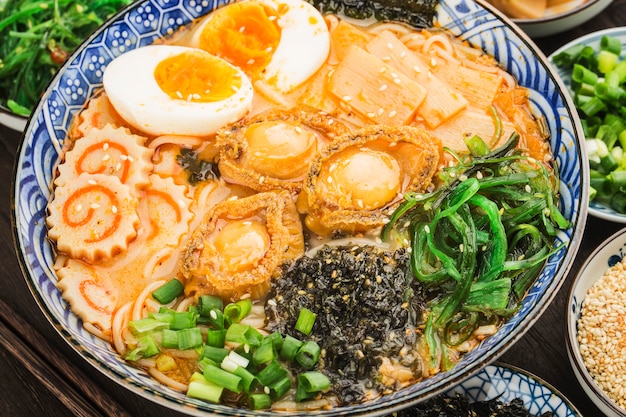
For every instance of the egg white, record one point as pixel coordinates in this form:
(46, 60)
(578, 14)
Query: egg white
(131, 87)
(303, 47)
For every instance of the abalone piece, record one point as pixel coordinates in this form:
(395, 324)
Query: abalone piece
(357, 181)
(239, 245)
(274, 151)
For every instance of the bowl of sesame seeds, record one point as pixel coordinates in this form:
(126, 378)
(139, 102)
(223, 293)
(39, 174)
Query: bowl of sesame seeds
(596, 326)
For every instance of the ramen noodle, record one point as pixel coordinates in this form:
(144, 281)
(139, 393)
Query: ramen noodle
(285, 152)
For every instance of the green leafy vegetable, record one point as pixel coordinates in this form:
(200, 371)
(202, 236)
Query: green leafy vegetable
(37, 37)
(480, 240)
(598, 88)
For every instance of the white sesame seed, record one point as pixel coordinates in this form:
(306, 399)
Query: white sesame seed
(389, 45)
(347, 98)
(427, 229)
(79, 207)
(298, 129)
(242, 29)
(106, 157)
(94, 206)
(392, 113)
(383, 87)
(114, 209)
(105, 146)
(527, 188)
(92, 182)
(251, 61)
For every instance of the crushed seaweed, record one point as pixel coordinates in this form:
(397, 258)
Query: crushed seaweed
(459, 405)
(367, 307)
(417, 13)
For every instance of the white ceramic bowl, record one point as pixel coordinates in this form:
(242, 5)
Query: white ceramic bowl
(610, 252)
(596, 209)
(12, 120)
(557, 21)
(147, 20)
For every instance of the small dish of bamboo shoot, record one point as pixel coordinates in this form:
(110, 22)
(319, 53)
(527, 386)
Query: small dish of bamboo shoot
(539, 18)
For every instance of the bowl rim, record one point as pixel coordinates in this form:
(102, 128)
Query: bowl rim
(556, 281)
(571, 327)
(563, 15)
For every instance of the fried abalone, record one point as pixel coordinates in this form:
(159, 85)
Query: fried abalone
(239, 245)
(275, 150)
(357, 181)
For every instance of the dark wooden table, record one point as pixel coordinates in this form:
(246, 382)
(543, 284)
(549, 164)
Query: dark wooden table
(40, 374)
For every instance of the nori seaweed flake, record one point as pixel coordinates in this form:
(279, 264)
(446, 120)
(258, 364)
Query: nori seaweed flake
(367, 307)
(458, 405)
(417, 13)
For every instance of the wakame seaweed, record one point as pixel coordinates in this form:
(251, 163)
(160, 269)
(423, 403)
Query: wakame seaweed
(417, 13)
(198, 169)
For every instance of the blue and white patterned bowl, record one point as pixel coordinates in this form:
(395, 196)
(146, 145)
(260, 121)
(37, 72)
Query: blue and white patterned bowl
(606, 255)
(507, 382)
(147, 20)
(593, 39)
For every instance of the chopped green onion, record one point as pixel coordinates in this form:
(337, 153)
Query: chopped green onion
(259, 401)
(237, 311)
(290, 348)
(308, 354)
(313, 381)
(264, 353)
(611, 44)
(189, 338)
(206, 303)
(216, 354)
(234, 360)
(183, 320)
(169, 291)
(272, 373)
(280, 388)
(216, 338)
(249, 381)
(146, 347)
(205, 390)
(169, 339)
(306, 319)
(225, 379)
(276, 338)
(146, 325)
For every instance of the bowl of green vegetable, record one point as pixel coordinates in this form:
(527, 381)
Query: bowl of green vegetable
(36, 39)
(594, 70)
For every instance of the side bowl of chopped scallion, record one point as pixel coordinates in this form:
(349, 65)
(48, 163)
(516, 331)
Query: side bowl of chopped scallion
(593, 69)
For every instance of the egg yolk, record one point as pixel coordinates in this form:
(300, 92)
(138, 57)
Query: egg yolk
(280, 150)
(368, 177)
(241, 244)
(245, 34)
(197, 76)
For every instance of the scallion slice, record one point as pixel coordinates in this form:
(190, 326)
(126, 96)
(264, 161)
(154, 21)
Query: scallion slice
(306, 320)
(168, 292)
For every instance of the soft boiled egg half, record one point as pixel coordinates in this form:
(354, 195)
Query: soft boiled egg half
(167, 89)
(281, 42)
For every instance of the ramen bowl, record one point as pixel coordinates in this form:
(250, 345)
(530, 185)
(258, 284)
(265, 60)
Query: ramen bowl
(147, 21)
